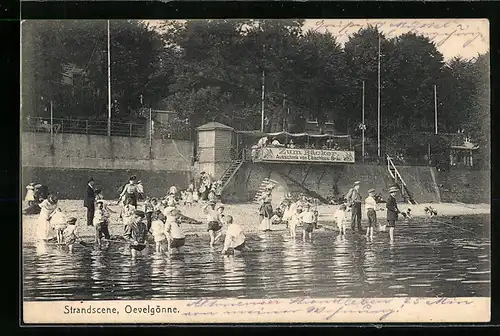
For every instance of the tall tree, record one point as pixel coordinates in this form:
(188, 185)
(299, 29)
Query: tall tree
(66, 62)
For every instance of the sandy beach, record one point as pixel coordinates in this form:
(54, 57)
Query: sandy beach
(245, 214)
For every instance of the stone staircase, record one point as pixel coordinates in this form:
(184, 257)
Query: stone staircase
(262, 187)
(230, 172)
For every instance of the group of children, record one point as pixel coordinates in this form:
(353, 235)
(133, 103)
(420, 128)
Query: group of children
(300, 213)
(52, 222)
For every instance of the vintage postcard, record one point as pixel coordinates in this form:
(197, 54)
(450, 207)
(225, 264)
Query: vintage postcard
(213, 171)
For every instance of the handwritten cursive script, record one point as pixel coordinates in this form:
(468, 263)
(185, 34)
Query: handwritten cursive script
(453, 34)
(376, 309)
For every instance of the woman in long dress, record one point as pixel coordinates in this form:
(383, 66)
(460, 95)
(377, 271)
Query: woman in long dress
(45, 231)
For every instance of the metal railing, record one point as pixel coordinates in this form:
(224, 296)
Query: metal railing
(83, 126)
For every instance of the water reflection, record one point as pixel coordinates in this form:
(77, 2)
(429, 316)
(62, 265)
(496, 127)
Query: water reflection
(426, 259)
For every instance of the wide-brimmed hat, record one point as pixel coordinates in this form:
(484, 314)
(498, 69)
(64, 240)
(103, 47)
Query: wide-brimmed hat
(38, 185)
(220, 206)
(71, 220)
(371, 190)
(393, 189)
(357, 183)
(99, 201)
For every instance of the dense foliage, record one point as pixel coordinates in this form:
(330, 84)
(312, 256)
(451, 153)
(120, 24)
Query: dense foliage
(212, 70)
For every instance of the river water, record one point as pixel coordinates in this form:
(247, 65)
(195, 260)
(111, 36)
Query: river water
(449, 257)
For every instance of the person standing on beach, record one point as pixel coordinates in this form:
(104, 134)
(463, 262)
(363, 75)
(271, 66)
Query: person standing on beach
(354, 200)
(30, 194)
(130, 192)
(392, 211)
(89, 201)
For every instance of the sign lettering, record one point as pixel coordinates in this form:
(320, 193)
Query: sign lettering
(309, 155)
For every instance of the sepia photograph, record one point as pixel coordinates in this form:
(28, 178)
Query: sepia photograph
(255, 170)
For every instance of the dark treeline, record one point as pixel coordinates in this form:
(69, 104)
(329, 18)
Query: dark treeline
(212, 70)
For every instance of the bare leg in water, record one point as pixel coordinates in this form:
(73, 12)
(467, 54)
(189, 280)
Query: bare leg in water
(212, 237)
(219, 234)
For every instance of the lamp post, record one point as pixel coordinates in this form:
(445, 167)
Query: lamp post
(363, 126)
(109, 82)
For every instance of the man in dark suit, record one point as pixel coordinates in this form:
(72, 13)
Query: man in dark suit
(354, 200)
(392, 211)
(89, 201)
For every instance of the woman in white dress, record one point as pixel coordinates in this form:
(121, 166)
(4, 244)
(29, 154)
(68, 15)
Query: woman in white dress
(48, 207)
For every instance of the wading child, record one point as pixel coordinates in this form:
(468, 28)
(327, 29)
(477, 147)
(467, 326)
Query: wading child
(136, 233)
(70, 233)
(174, 232)
(222, 217)
(189, 197)
(158, 231)
(58, 221)
(307, 219)
(196, 196)
(294, 221)
(148, 210)
(214, 221)
(235, 238)
(392, 211)
(371, 214)
(127, 213)
(340, 218)
(170, 200)
(101, 222)
(30, 194)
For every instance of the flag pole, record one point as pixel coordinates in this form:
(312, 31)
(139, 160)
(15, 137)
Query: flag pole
(363, 124)
(51, 122)
(109, 83)
(262, 101)
(435, 110)
(378, 101)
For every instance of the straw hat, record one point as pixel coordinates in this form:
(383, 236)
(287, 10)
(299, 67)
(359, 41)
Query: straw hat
(371, 190)
(220, 206)
(393, 189)
(357, 183)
